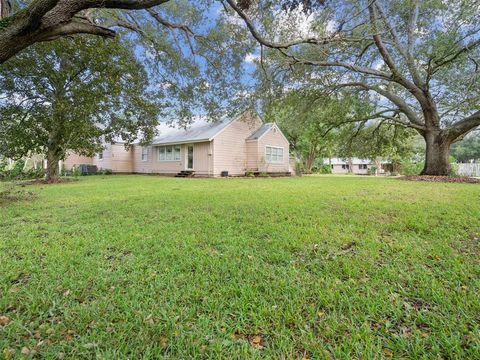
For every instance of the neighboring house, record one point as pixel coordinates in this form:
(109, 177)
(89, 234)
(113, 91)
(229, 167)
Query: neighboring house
(230, 146)
(349, 165)
(356, 166)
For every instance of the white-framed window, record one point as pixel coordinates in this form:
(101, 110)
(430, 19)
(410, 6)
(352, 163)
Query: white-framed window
(273, 154)
(100, 155)
(363, 167)
(169, 153)
(144, 153)
(345, 166)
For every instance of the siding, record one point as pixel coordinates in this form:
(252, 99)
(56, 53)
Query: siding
(230, 147)
(252, 155)
(202, 161)
(74, 159)
(273, 138)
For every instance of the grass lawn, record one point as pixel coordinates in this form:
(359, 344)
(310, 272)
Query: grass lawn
(285, 268)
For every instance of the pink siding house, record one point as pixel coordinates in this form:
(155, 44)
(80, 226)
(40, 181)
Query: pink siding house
(230, 147)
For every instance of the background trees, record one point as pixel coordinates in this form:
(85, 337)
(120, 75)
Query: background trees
(418, 61)
(71, 95)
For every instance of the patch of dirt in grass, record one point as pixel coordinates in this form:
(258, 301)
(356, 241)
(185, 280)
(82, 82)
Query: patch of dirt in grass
(48, 182)
(446, 179)
(11, 193)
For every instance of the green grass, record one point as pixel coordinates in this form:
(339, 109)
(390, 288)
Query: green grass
(314, 267)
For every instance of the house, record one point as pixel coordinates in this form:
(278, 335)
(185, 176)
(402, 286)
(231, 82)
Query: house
(357, 166)
(232, 146)
(349, 165)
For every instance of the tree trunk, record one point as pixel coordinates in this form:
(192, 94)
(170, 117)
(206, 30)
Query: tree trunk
(437, 154)
(53, 171)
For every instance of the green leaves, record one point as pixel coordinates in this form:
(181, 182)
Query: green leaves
(71, 94)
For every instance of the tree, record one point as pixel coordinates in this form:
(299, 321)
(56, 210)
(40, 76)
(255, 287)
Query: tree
(306, 118)
(72, 95)
(467, 150)
(417, 60)
(44, 20)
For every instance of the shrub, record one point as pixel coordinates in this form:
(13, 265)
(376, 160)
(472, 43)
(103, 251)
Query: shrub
(298, 169)
(263, 174)
(249, 174)
(325, 169)
(410, 168)
(372, 170)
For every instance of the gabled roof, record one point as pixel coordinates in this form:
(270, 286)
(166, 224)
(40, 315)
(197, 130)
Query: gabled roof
(200, 130)
(260, 131)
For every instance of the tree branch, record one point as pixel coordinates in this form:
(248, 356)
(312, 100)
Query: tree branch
(464, 126)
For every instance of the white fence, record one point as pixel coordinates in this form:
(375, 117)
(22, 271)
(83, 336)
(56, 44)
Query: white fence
(469, 169)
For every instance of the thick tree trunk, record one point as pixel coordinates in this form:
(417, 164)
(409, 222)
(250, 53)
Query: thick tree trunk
(53, 171)
(437, 154)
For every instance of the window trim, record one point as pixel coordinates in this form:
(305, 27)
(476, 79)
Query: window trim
(173, 153)
(146, 155)
(100, 155)
(274, 161)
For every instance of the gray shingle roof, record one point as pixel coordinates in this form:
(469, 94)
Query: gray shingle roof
(200, 130)
(260, 131)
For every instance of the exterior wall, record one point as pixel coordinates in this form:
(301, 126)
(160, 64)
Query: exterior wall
(230, 147)
(252, 155)
(115, 158)
(355, 169)
(273, 138)
(337, 169)
(202, 160)
(73, 159)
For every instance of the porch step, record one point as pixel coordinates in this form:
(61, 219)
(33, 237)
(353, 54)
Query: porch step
(186, 173)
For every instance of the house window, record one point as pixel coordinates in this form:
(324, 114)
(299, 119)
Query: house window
(100, 156)
(345, 166)
(363, 166)
(144, 153)
(273, 154)
(169, 153)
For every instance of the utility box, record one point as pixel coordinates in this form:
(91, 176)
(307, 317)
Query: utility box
(224, 174)
(86, 169)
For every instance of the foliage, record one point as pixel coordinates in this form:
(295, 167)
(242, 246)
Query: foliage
(410, 168)
(82, 269)
(72, 95)
(310, 120)
(19, 172)
(415, 63)
(466, 150)
(324, 169)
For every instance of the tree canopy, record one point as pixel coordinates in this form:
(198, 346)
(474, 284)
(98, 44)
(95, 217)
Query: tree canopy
(417, 61)
(72, 95)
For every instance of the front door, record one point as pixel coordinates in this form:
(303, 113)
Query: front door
(189, 161)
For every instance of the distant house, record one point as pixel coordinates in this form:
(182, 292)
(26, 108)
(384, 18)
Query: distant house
(231, 146)
(357, 166)
(349, 165)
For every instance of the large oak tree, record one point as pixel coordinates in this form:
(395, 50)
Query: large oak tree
(419, 60)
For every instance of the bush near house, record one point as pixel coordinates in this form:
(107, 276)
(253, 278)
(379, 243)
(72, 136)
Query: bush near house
(277, 268)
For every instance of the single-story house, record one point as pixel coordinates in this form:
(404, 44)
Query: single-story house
(232, 146)
(357, 166)
(349, 165)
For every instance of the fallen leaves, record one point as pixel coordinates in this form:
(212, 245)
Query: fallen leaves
(4, 320)
(449, 179)
(256, 341)
(388, 352)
